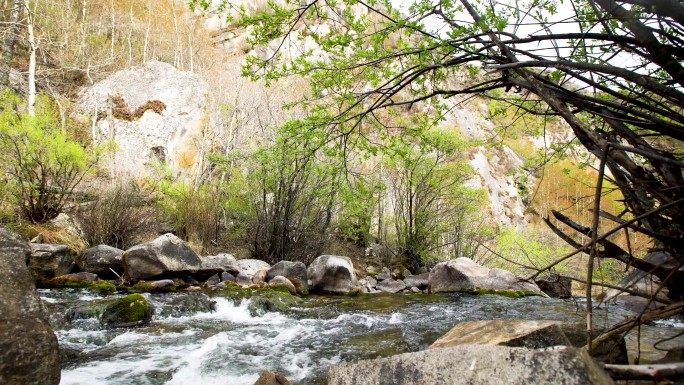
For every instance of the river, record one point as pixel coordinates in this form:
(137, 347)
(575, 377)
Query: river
(189, 343)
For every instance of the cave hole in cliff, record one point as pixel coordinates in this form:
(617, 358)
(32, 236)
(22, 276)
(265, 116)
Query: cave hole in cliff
(158, 153)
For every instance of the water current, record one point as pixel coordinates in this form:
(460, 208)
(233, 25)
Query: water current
(187, 343)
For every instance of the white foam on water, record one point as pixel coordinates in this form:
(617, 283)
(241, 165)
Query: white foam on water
(227, 311)
(396, 318)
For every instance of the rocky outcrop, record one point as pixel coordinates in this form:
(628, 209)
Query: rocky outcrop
(332, 274)
(217, 264)
(129, 311)
(475, 365)
(154, 113)
(49, 261)
(100, 259)
(514, 333)
(295, 272)
(166, 256)
(28, 347)
(464, 275)
(644, 283)
(252, 266)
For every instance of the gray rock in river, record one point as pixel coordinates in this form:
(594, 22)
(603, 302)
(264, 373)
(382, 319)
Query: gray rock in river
(332, 274)
(465, 275)
(49, 261)
(555, 286)
(295, 272)
(252, 266)
(475, 365)
(420, 281)
(217, 264)
(391, 285)
(166, 256)
(28, 347)
(100, 259)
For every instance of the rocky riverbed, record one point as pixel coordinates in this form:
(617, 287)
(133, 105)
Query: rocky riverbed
(230, 336)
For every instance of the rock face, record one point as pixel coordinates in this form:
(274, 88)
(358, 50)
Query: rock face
(332, 274)
(28, 347)
(464, 275)
(643, 282)
(131, 310)
(295, 272)
(514, 333)
(154, 113)
(166, 256)
(50, 261)
(100, 259)
(252, 266)
(475, 365)
(217, 264)
(555, 286)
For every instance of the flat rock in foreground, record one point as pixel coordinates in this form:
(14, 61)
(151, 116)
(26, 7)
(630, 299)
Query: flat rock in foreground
(514, 333)
(475, 365)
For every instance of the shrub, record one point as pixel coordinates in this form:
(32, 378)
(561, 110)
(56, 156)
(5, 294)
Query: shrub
(115, 218)
(42, 166)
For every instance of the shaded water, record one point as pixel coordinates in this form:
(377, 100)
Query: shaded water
(188, 344)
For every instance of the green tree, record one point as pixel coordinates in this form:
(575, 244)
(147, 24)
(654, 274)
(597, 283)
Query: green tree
(42, 166)
(613, 73)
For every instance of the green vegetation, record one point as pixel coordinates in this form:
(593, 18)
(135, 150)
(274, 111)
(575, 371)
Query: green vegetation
(101, 287)
(43, 165)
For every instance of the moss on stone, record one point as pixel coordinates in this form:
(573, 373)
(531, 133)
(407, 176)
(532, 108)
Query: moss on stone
(131, 310)
(505, 293)
(102, 287)
(146, 287)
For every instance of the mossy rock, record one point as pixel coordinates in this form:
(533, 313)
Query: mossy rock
(147, 287)
(101, 287)
(131, 310)
(268, 300)
(505, 293)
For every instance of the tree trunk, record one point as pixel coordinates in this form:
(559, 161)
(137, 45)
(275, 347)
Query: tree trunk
(32, 61)
(9, 42)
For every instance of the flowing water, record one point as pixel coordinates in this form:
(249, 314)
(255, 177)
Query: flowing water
(189, 343)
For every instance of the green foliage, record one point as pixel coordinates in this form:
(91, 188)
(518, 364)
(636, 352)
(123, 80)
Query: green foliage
(531, 248)
(194, 210)
(41, 163)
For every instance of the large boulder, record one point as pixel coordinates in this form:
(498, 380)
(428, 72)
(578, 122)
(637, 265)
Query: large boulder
(465, 275)
(332, 274)
(217, 264)
(295, 272)
(154, 113)
(280, 283)
(252, 266)
(646, 284)
(166, 256)
(49, 261)
(28, 347)
(475, 365)
(101, 260)
(131, 310)
(514, 333)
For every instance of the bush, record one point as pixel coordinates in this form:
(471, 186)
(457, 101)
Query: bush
(115, 218)
(41, 165)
